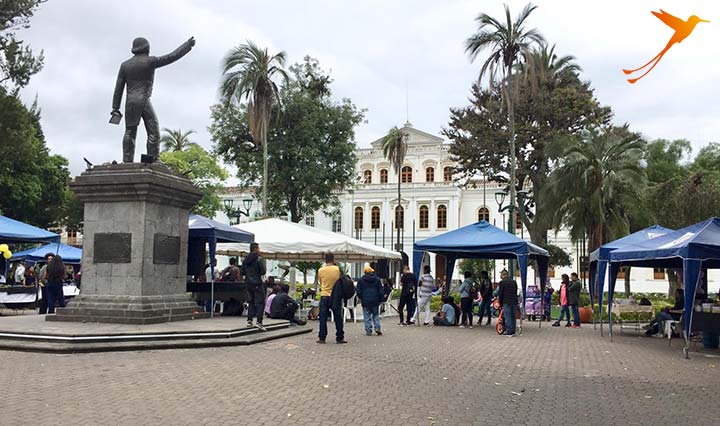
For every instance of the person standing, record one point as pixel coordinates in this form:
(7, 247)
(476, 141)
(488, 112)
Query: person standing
(486, 297)
(231, 273)
(30, 278)
(574, 298)
(328, 276)
(425, 292)
(564, 308)
(209, 272)
(253, 267)
(370, 292)
(466, 300)
(42, 280)
(20, 274)
(507, 294)
(407, 296)
(55, 277)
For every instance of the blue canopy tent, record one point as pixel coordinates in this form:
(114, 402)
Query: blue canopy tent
(69, 254)
(690, 249)
(599, 259)
(482, 240)
(13, 231)
(203, 230)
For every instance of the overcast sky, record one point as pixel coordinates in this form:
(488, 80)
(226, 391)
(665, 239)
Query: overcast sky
(374, 49)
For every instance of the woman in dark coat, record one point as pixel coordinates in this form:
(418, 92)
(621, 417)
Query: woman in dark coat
(55, 277)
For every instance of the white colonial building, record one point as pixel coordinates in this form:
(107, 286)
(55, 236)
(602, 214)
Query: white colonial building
(430, 204)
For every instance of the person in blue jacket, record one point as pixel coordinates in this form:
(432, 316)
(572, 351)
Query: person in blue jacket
(370, 292)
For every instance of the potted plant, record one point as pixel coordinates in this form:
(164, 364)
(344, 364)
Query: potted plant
(585, 310)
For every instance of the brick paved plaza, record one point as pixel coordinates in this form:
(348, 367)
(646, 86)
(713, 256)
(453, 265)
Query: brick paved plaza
(411, 375)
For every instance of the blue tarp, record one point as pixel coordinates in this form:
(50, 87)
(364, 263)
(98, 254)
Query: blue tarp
(599, 258)
(69, 254)
(13, 231)
(207, 230)
(690, 249)
(482, 240)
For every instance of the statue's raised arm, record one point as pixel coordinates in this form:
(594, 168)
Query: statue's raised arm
(136, 76)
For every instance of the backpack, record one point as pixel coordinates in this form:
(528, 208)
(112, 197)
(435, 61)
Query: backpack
(473, 293)
(227, 274)
(348, 288)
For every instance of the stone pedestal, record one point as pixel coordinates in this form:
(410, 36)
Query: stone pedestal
(135, 243)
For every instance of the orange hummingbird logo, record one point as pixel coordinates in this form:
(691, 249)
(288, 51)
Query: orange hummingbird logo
(682, 30)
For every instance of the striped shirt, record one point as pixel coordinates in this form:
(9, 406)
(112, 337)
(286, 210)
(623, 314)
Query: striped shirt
(426, 282)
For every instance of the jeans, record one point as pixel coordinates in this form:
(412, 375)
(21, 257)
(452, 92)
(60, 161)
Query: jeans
(576, 314)
(441, 321)
(485, 309)
(371, 316)
(466, 305)
(288, 313)
(43, 302)
(423, 303)
(409, 302)
(55, 296)
(325, 307)
(564, 313)
(509, 318)
(256, 303)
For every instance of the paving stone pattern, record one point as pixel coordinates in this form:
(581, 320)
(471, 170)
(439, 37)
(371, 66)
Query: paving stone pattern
(408, 376)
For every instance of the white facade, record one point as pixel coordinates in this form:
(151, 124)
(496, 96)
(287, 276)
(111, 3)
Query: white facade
(432, 204)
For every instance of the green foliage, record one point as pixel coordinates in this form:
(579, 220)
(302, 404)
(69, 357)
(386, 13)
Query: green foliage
(558, 256)
(708, 159)
(394, 147)
(310, 146)
(204, 171)
(476, 266)
(17, 61)
(72, 212)
(32, 181)
(175, 140)
(598, 177)
(684, 201)
(664, 159)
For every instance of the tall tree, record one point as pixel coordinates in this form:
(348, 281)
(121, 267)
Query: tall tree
(508, 43)
(395, 145)
(203, 170)
(248, 74)
(32, 181)
(599, 176)
(708, 159)
(310, 145)
(176, 140)
(17, 61)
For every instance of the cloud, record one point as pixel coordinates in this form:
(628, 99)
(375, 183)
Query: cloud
(379, 52)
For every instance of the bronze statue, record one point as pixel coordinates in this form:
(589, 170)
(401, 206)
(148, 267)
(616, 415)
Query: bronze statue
(138, 73)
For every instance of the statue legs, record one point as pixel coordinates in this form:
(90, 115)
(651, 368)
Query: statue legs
(152, 129)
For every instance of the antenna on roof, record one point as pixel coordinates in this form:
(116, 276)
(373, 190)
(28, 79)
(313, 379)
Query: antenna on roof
(407, 105)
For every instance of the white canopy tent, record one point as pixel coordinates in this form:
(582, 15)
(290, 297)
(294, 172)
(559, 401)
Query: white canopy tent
(295, 242)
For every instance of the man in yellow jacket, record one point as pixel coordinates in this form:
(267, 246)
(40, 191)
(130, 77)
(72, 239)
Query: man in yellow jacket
(328, 276)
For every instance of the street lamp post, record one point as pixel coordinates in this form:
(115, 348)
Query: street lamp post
(237, 212)
(500, 200)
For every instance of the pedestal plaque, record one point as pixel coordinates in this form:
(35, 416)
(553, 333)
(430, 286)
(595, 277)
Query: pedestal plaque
(134, 245)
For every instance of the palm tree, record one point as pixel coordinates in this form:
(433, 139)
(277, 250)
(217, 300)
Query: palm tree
(175, 140)
(600, 178)
(545, 68)
(508, 42)
(394, 146)
(248, 74)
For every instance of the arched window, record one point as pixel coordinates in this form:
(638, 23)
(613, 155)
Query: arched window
(375, 218)
(383, 175)
(430, 174)
(518, 221)
(367, 176)
(441, 217)
(399, 217)
(447, 174)
(424, 217)
(483, 214)
(406, 174)
(358, 218)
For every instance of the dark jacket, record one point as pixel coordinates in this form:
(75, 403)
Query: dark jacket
(573, 292)
(253, 267)
(280, 303)
(507, 292)
(486, 289)
(409, 286)
(370, 290)
(138, 74)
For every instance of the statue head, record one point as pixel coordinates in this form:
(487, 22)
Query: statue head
(140, 45)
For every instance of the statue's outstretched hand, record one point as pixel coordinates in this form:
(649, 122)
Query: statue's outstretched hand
(191, 40)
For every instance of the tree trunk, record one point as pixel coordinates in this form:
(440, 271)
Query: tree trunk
(627, 281)
(398, 224)
(265, 174)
